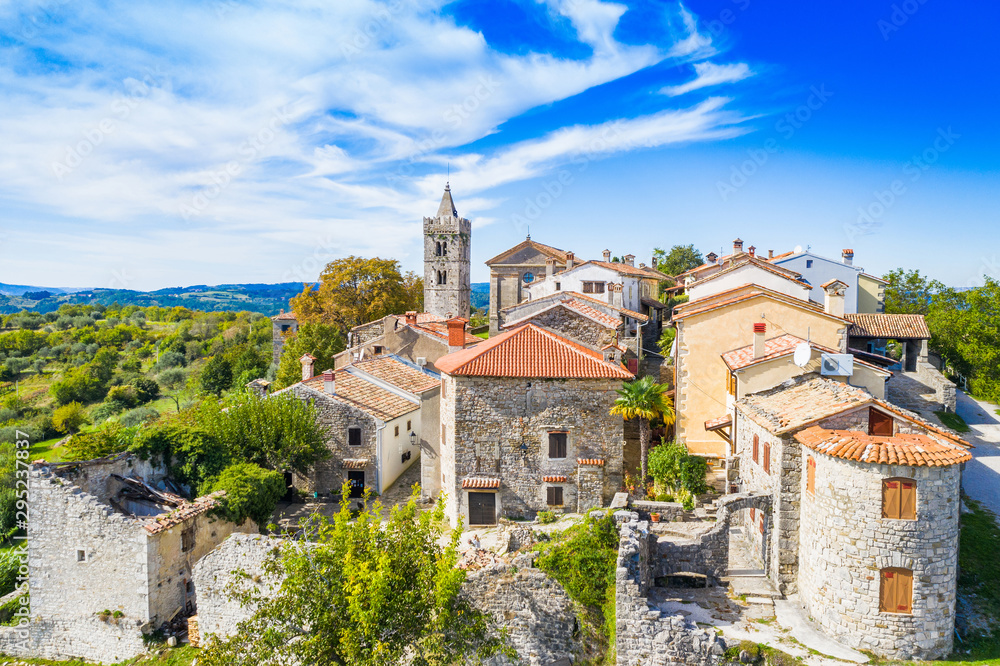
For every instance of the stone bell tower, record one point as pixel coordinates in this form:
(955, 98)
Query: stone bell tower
(447, 261)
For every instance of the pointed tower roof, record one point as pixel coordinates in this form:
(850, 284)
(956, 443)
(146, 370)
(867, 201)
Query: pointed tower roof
(447, 207)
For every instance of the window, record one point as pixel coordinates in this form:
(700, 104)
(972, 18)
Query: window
(756, 444)
(442, 277)
(767, 457)
(554, 495)
(81, 556)
(899, 499)
(557, 445)
(879, 423)
(187, 540)
(896, 592)
(408, 427)
(558, 286)
(444, 249)
(731, 383)
(809, 263)
(397, 431)
(753, 515)
(811, 476)
(593, 287)
(378, 349)
(529, 277)
(354, 436)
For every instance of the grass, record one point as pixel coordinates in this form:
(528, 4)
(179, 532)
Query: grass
(484, 336)
(179, 656)
(953, 421)
(46, 450)
(979, 578)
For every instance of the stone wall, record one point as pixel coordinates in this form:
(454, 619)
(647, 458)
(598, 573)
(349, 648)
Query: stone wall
(846, 543)
(452, 299)
(646, 636)
(486, 421)
(575, 326)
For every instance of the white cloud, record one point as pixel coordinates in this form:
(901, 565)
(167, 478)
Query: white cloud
(710, 74)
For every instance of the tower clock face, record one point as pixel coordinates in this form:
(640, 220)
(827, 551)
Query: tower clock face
(529, 277)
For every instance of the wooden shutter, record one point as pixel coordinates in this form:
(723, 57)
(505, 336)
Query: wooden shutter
(907, 499)
(554, 496)
(557, 445)
(896, 593)
(767, 457)
(633, 366)
(756, 443)
(879, 424)
(890, 498)
(887, 591)
(753, 515)
(354, 436)
(811, 476)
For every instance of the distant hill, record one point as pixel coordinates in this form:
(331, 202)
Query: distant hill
(267, 299)
(480, 295)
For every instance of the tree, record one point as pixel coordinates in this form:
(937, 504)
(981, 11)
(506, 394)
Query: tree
(361, 594)
(110, 439)
(217, 375)
(192, 455)
(680, 258)
(644, 400)
(356, 290)
(69, 418)
(965, 330)
(321, 340)
(251, 492)
(909, 292)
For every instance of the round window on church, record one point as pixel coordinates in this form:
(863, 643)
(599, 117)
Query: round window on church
(529, 277)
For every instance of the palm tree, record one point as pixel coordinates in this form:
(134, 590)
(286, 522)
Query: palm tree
(643, 399)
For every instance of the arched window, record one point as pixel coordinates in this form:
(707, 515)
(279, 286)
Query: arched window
(442, 277)
(437, 249)
(896, 591)
(899, 499)
(444, 249)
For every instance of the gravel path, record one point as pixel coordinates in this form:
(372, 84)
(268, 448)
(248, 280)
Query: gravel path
(981, 480)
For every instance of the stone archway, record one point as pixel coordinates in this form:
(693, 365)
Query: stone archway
(731, 506)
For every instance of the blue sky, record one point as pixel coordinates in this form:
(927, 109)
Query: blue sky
(147, 145)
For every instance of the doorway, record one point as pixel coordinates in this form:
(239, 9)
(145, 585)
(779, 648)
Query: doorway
(482, 508)
(357, 482)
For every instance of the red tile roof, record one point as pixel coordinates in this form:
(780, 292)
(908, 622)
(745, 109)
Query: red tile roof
(590, 461)
(284, 316)
(910, 450)
(440, 329)
(565, 295)
(394, 371)
(554, 479)
(634, 271)
(745, 293)
(184, 512)
(531, 351)
(719, 422)
(575, 305)
(354, 463)
(364, 395)
(783, 345)
(896, 326)
(480, 482)
(547, 250)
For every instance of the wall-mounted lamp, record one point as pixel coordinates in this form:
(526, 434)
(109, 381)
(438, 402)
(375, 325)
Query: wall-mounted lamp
(523, 449)
(413, 438)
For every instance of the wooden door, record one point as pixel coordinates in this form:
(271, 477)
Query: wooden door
(482, 508)
(357, 481)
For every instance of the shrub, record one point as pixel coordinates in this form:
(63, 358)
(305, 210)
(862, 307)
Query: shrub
(546, 517)
(146, 389)
(673, 469)
(170, 359)
(106, 410)
(69, 418)
(583, 560)
(217, 375)
(110, 439)
(251, 492)
(192, 455)
(124, 395)
(173, 378)
(10, 562)
(139, 415)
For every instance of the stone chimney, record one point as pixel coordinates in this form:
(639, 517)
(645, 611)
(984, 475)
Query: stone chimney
(328, 383)
(759, 333)
(835, 297)
(607, 255)
(770, 255)
(630, 259)
(653, 264)
(612, 354)
(737, 246)
(848, 257)
(550, 266)
(753, 251)
(456, 334)
(307, 361)
(642, 265)
(259, 386)
(615, 294)
(411, 318)
(570, 259)
(711, 257)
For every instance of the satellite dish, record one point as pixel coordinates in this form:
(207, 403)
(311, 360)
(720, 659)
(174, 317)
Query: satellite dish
(798, 249)
(803, 353)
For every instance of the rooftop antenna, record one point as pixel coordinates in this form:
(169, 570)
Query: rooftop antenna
(448, 182)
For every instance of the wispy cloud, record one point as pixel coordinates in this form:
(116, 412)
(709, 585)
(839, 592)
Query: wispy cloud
(710, 74)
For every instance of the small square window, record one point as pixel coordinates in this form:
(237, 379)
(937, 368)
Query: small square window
(809, 263)
(397, 431)
(558, 286)
(554, 496)
(354, 436)
(81, 556)
(557, 445)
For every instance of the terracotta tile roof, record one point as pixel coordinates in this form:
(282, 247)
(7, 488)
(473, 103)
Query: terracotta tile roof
(547, 250)
(875, 277)
(759, 263)
(590, 461)
(531, 351)
(354, 463)
(575, 305)
(910, 450)
(576, 296)
(284, 316)
(480, 482)
(440, 329)
(897, 326)
(741, 294)
(184, 512)
(364, 395)
(783, 345)
(787, 408)
(634, 271)
(833, 282)
(554, 479)
(394, 371)
(719, 422)
(782, 255)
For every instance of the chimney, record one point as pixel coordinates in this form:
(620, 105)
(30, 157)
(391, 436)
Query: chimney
(737, 246)
(630, 259)
(550, 266)
(770, 255)
(307, 361)
(411, 318)
(848, 257)
(759, 332)
(653, 264)
(753, 251)
(642, 265)
(456, 334)
(607, 255)
(570, 257)
(834, 297)
(328, 384)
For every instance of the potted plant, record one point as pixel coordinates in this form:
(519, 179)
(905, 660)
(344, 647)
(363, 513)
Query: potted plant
(655, 517)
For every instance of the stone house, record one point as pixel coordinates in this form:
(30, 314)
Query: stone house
(526, 426)
(376, 413)
(864, 519)
(114, 535)
(420, 338)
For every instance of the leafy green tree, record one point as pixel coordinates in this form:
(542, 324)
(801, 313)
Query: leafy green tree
(104, 364)
(644, 400)
(110, 439)
(362, 593)
(279, 432)
(680, 258)
(909, 292)
(69, 418)
(666, 341)
(77, 385)
(321, 340)
(251, 492)
(217, 375)
(193, 455)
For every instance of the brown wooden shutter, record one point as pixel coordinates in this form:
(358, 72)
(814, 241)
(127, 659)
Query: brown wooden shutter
(904, 591)
(890, 498)
(887, 591)
(811, 476)
(879, 424)
(767, 457)
(908, 500)
(756, 443)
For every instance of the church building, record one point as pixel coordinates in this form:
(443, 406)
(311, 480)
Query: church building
(447, 261)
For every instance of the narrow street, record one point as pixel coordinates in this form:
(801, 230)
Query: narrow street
(981, 480)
